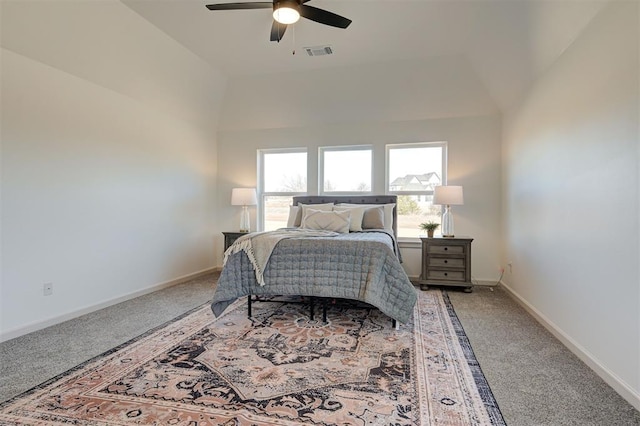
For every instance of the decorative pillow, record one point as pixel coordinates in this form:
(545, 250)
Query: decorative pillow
(373, 218)
(388, 212)
(356, 216)
(327, 220)
(293, 215)
(301, 210)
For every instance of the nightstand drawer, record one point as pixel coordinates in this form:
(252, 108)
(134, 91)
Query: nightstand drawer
(435, 274)
(446, 249)
(444, 262)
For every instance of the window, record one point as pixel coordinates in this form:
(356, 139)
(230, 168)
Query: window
(345, 169)
(413, 170)
(282, 174)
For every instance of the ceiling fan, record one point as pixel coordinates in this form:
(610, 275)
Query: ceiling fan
(287, 12)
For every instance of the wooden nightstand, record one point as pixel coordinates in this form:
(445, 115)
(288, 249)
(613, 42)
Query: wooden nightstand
(446, 262)
(230, 237)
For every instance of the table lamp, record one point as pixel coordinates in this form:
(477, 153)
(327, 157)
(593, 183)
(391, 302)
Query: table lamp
(448, 196)
(244, 197)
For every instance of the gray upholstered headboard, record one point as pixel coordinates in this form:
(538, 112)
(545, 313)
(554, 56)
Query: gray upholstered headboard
(352, 199)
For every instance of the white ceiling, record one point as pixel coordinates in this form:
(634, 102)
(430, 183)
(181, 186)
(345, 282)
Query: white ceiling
(508, 43)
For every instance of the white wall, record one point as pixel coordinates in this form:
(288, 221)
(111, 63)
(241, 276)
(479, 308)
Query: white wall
(419, 101)
(571, 197)
(441, 87)
(108, 159)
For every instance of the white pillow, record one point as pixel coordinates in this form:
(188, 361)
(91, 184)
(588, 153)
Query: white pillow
(297, 212)
(388, 212)
(356, 216)
(327, 220)
(293, 215)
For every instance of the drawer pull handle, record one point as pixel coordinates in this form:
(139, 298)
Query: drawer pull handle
(445, 274)
(446, 261)
(446, 248)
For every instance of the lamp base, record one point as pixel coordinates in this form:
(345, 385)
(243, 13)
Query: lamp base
(447, 223)
(245, 220)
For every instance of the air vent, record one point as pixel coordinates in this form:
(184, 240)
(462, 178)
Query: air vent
(319, 50)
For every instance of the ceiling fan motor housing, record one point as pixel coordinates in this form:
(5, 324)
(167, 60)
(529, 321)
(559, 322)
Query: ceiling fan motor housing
(292, 4)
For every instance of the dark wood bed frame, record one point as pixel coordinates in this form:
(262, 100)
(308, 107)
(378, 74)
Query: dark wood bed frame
(336, 199)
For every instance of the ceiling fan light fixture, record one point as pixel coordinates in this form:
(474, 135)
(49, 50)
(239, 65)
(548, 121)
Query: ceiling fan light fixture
(286, 12)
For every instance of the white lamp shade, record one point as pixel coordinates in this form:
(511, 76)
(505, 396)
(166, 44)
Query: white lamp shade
(244, 197)
(448, 195)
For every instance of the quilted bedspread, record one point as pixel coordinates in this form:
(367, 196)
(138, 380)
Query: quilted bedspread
(358, 266)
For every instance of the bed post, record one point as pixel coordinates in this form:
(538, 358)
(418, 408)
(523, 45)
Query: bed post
(311, 310)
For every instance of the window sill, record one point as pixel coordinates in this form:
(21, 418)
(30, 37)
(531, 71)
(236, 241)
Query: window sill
(409, 242)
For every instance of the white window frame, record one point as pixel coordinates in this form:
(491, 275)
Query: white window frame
(323, 149)
(262, 194)
(387, 180)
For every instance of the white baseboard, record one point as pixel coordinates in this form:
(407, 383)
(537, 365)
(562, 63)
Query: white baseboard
(627, 392)
(29, 328)
(486, 283)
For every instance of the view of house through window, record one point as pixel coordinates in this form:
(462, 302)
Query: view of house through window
(413, 171)
(345, 169)
(283, 174)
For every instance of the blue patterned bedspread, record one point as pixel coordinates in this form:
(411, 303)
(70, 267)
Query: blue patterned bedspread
(358, 266)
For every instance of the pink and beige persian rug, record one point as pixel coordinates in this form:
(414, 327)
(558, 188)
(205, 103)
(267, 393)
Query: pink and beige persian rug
(278, 368)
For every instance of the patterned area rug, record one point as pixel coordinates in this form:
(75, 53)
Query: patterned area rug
(279, 368)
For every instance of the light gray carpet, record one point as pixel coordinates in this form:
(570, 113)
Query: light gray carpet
(535, 379)
(32, 359)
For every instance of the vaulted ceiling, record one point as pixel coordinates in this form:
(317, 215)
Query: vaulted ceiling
(507, 43)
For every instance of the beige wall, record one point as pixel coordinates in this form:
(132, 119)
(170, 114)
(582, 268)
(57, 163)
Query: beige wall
(108, 159)
(571, 198)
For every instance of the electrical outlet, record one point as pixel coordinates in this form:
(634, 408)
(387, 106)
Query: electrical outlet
(47, 289)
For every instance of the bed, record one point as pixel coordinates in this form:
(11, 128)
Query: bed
(362, 265)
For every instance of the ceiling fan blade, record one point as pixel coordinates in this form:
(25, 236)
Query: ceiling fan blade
(277, 31)
(324, 17)
(237, 6)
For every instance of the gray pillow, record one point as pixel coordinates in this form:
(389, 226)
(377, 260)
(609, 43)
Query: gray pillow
(373, 218)
(388, 212)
